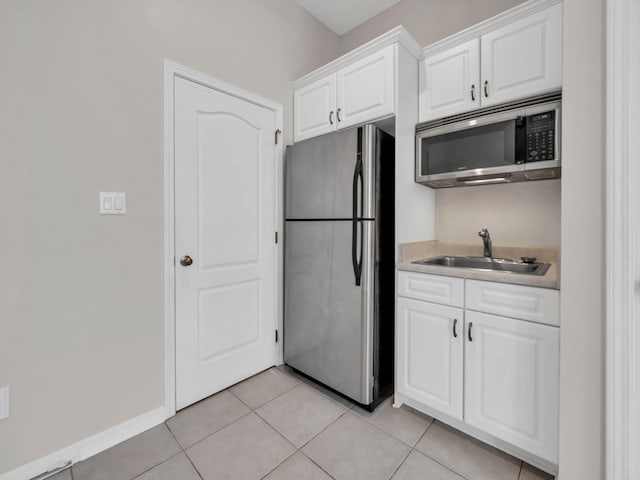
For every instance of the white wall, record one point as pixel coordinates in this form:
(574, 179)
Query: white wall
(427, 21)
(81, 296)
(582, 293)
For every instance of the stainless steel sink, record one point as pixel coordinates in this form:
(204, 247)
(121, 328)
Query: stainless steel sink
(487, 263)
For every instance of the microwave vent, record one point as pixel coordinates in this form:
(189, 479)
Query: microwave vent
(442, 183)
(543, 174)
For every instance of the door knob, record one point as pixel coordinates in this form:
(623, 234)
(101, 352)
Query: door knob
(186, 261)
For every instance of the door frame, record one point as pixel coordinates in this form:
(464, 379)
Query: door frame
(171, 70)
(622, 442)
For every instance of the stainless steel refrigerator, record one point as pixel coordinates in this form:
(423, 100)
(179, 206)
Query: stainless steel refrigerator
(339, 262)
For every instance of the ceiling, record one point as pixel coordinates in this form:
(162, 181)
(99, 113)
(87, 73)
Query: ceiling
(344, 15)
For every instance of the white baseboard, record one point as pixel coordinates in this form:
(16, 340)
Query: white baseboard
(89, 446)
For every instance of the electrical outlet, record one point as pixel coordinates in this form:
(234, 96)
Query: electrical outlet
(4, 402)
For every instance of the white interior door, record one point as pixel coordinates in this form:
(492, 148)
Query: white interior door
(225, 217)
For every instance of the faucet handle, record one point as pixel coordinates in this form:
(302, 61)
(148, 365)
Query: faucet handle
(484, 232)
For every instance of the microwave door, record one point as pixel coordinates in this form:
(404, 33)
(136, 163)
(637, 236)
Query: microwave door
(477, 147)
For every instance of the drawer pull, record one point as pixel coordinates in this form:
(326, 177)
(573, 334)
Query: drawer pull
(470, 325)
(455, 322)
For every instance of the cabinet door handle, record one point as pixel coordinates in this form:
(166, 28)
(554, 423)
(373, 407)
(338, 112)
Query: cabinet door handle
(455, 322)
(331, 117)
(338, 115)
(473, 92)
(470, 325)
(486, 88)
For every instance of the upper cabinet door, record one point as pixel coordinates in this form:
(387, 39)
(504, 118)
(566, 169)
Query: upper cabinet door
(450, 81)
(523, 58)
(366, 89)
(315, 108)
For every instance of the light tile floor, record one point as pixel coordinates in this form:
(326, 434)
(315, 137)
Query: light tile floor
(278, 425)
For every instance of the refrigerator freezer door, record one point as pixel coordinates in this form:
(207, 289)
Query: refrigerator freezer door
(328, 319)
(319, 176)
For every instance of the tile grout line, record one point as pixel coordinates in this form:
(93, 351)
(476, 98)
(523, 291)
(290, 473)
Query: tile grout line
(278, 465)
(217, 431)
(184, 450)
(269, 425)
(404, 459)
(282, 435)
(173, 435)
(193, 465)
(262, 404)
(385, 432)
(312, 385)
(298, 449)
(156, 465)
(433, 420)
(319, 466)
(449, 468)
(317, 434)
(412, 448)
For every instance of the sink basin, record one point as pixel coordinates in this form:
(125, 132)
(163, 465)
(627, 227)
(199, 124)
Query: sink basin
(486, 263)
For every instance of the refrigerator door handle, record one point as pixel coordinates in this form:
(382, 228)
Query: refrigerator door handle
(355, 258)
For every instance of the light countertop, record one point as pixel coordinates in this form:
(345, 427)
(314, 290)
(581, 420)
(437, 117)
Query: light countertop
(408, 252)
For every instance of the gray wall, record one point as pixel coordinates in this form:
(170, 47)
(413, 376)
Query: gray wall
(515, 214)
(428, 21)
(81, 302)
(583, 198)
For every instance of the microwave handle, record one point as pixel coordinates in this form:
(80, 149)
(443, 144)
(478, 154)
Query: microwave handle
(521, 140)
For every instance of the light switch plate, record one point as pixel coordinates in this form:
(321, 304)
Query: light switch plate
(4, 402)
(113, 203)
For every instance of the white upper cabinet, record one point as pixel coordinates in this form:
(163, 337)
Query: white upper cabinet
(512, 381)
(366, 89)
(488, 65)
(315, 108)
(361, 91)
(451, 81)
(524, 58)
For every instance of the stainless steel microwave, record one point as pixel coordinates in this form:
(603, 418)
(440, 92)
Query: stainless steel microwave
(515, 142)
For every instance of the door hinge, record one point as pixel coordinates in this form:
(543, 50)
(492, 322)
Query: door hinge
(278, 132)
(276, 336)
(276, 237)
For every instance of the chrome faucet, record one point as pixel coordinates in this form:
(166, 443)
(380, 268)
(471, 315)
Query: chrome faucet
(486, 239)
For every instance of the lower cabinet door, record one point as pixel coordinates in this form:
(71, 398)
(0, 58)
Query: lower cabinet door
(511, 381)
(430, 354)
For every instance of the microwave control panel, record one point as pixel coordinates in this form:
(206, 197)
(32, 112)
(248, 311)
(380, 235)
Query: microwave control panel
(541, 133)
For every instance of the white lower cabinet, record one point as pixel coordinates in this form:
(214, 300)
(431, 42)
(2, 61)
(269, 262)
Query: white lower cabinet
(498, 375)
(511, 381)
(431, 362)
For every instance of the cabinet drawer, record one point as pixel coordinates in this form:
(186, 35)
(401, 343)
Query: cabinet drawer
(431, 288)
(540, 305)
